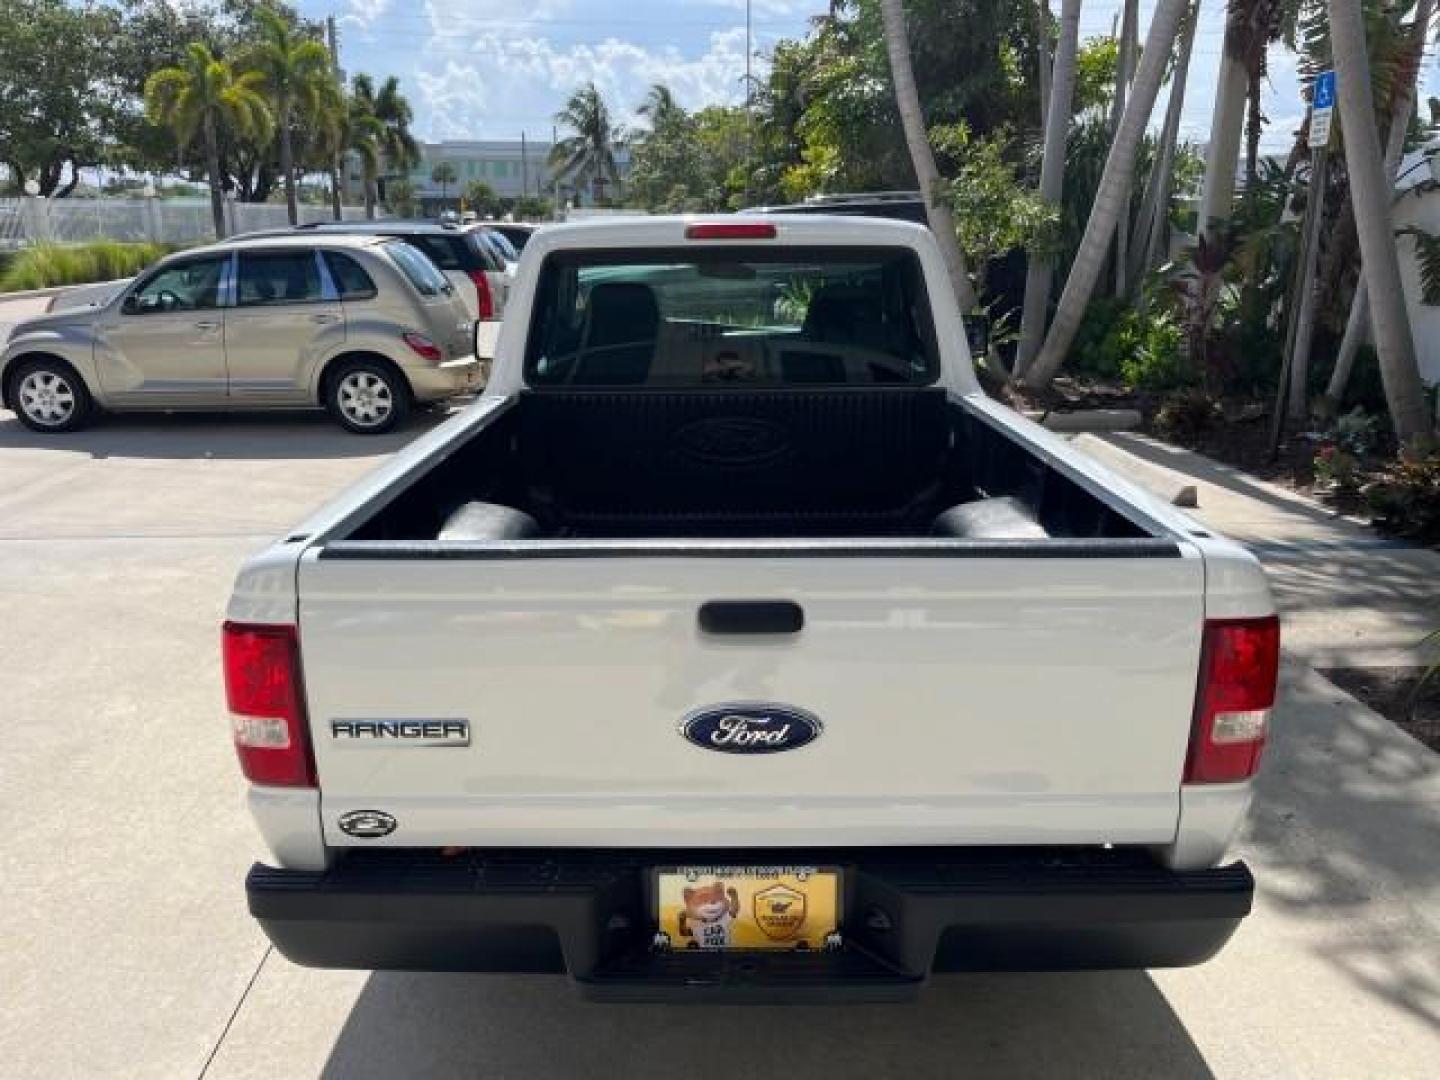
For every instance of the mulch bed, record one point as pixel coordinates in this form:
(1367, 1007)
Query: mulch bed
(1397, 694)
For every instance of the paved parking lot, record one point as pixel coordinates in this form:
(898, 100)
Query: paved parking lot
(128, 952)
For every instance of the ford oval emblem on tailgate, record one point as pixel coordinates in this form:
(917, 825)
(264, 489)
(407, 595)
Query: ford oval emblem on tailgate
(750, 727)
(732, 440)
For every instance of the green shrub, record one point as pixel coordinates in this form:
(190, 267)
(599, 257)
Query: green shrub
(1183, 417)
(1143, 348)
(46, 265)
(1152, 352)
(1096, 348)
(1405, 498)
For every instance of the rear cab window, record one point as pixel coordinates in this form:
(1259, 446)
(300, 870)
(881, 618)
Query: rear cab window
(732, 317)
(418, 270)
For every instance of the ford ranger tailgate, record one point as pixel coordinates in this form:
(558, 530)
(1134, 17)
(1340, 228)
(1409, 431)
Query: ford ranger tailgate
(977, 699)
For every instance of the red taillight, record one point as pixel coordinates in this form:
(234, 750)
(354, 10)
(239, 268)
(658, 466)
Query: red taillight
(1239, 665)
(484, 297)
(731, 230)
(423, 346)
(267, 711)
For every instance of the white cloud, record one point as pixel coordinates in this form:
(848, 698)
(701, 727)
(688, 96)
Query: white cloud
(489, 83)
(363, 13)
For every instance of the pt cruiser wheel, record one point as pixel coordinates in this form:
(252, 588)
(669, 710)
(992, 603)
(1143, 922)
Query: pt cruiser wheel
(49, 396)
(367, 397)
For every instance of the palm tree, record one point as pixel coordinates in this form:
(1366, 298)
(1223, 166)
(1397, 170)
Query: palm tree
(205, 97)
(1155, 203)
(348, 126)
(397, 146)
(443, 174)
(1112, 193)
(296, 73)
(1040, 273)
(1251, 27)
(586, 158)
(912, 119)
(661, 108)
(1357, 325)
(1371, 196)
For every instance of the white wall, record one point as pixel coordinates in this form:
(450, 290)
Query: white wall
(1419, 207)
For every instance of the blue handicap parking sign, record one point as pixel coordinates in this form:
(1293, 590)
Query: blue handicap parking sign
(1325, 90)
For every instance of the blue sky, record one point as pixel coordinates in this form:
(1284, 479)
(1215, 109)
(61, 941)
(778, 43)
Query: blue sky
(492, 68)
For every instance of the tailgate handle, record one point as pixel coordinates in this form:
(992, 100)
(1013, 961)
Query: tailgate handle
(751, 617)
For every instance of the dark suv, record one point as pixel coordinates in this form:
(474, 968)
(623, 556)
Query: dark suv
(472, 257)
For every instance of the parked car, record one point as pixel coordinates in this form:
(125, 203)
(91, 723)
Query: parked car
(359, 325)
(735, 616)
(467, 254)
(517, 232)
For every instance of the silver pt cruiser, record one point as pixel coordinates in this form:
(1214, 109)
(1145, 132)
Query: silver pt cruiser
(361, 326)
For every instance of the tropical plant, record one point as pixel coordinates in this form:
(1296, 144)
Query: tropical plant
(1040, 271)
(1250, 28)
(205, 98)
(363, 134)
(1153, 220)
(56, 98)
(444, 174)
(1371, 196)
(400, 197)
(1357, 323)
(481, 197)
(1405, 497)
(922, 157)
(994, 212)
(398, 147)
(586, 157)
(45, 265)
(1112, 196)
(661, 109)
(296, 73)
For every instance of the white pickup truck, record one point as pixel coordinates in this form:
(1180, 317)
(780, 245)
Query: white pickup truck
(735, 645)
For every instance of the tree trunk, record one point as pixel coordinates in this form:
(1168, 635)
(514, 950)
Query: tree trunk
(1222, 155)
(1040, 272)
(1110, 196)
(907, 100)
(1129, 33)
(212, 170)
(1357, 325)
(287, 164)
(336, 170)
(1155, 206)
(369, 194)
(1404, 393)
(1297, 409)
(64, 190)
(1253, 123)
(1046, 61)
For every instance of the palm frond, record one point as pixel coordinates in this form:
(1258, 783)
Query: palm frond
(1427, 254)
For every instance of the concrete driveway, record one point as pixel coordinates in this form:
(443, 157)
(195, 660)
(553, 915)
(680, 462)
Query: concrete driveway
(128, 952)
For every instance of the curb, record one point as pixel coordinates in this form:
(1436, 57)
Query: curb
(1086, 420)
(56, 290)
(1159, 482)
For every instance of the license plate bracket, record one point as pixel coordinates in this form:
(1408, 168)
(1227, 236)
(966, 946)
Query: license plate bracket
(739, 908)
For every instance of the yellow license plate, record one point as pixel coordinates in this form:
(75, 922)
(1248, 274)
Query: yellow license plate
(748, 907)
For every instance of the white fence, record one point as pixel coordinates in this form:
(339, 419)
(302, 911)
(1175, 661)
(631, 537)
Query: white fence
(27, 221)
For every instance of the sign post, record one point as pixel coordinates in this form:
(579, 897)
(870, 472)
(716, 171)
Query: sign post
(1295, 363)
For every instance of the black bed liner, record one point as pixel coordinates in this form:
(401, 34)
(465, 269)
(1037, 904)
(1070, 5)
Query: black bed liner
(867, 463)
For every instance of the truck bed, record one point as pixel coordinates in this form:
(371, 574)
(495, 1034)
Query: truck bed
(848, 463)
